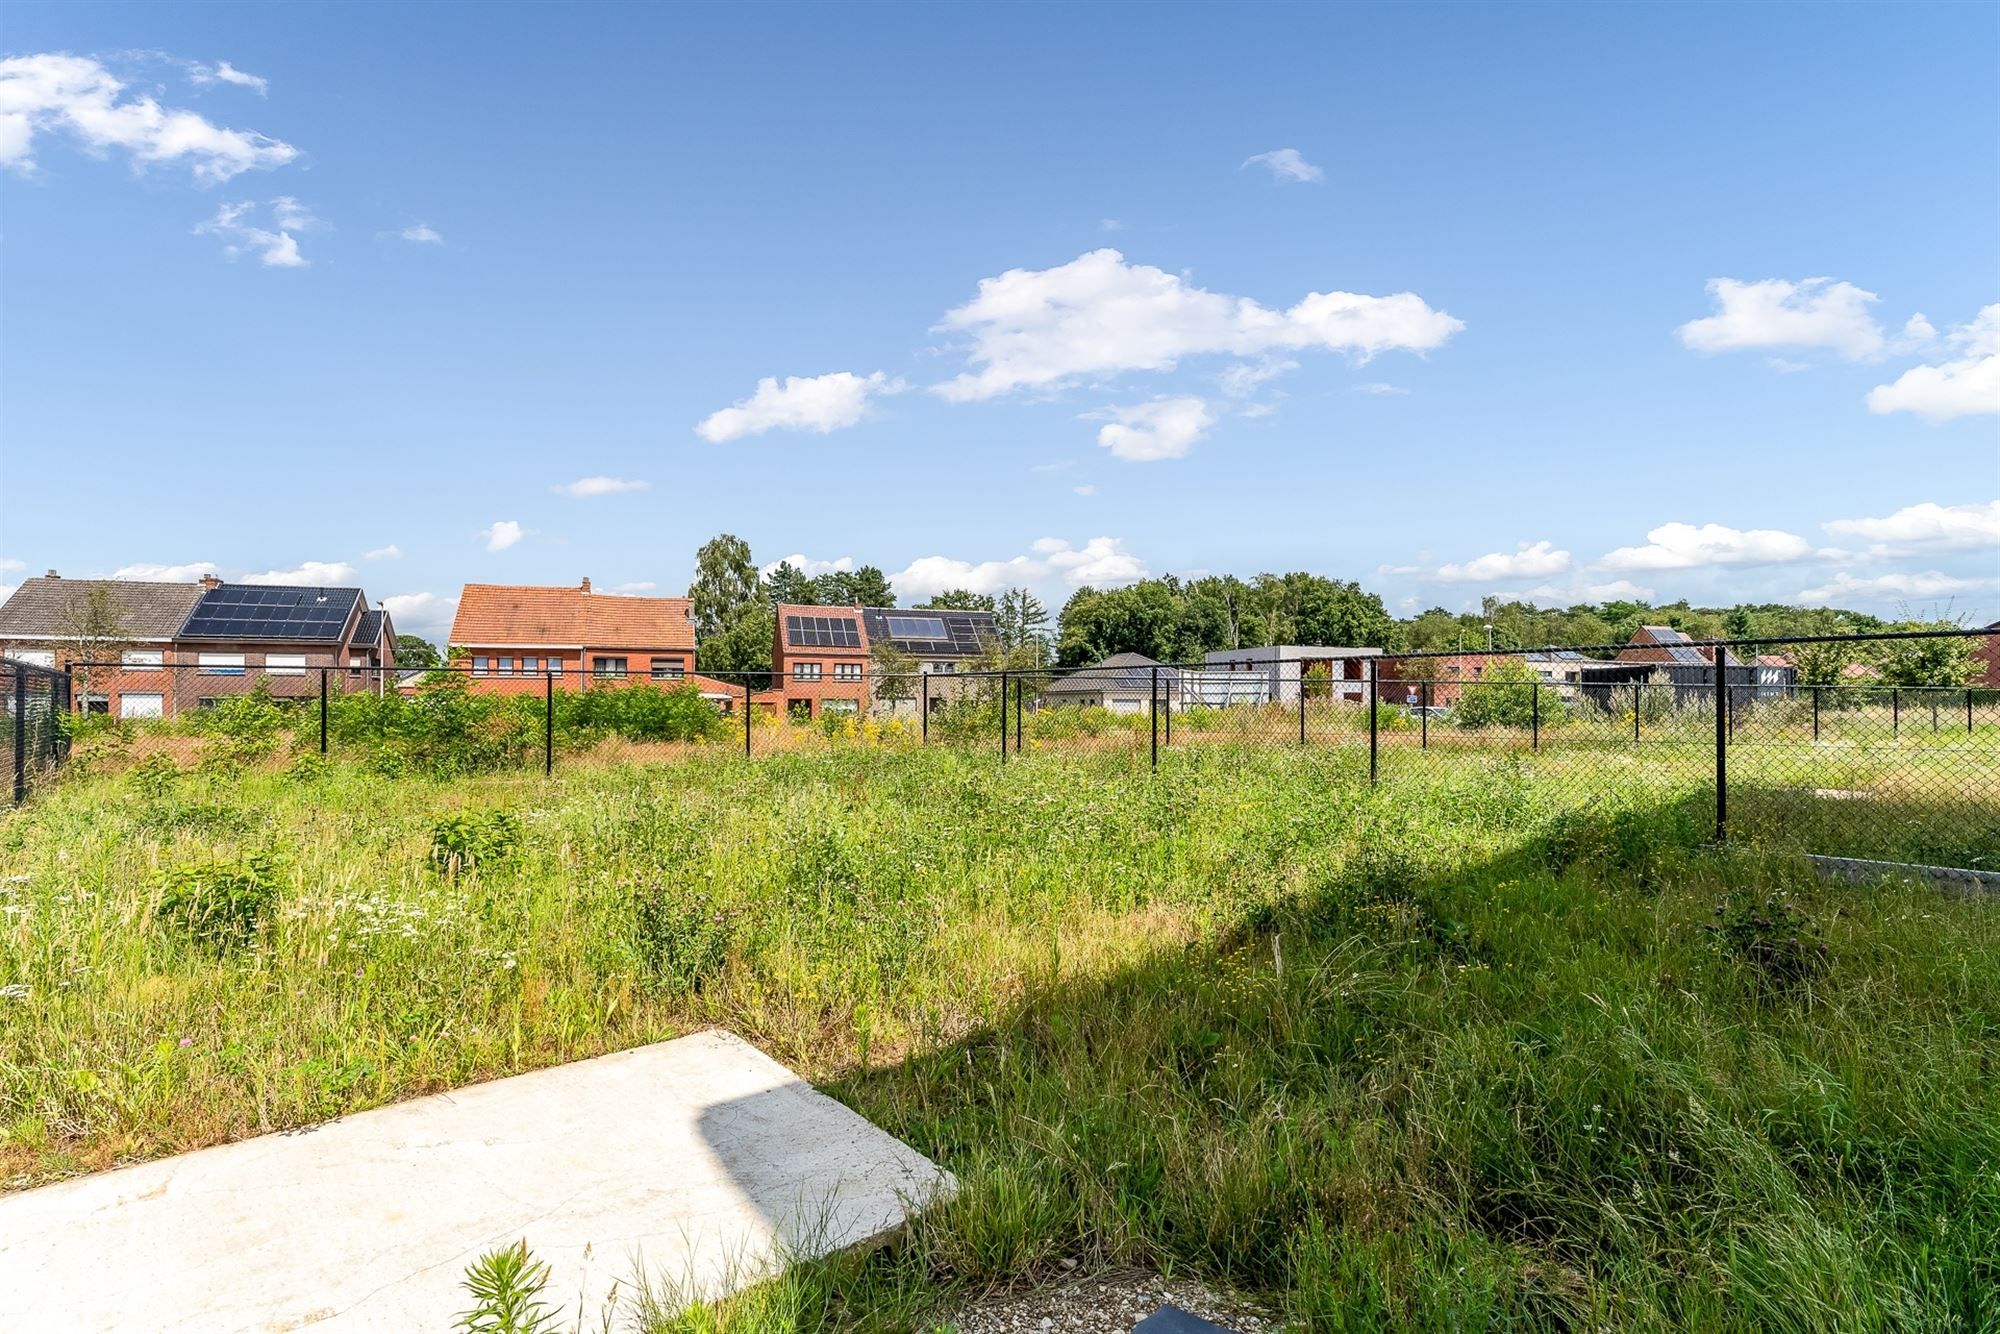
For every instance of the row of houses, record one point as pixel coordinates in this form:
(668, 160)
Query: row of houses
(161, 649)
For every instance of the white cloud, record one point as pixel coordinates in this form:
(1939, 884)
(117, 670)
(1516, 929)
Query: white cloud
(1682, 546)
(7, 591)
(1087, 489)
(425, 614)
(1288, 166)
(802, 403)
(276, 246)
(1536, 560)
(1056, 466)
(1244, 377)
(1110, 225)
(8, 565)
(585, 487)
(390, 552)
(1378, 388)
(1817, 312)
(224, 72)
(308, 574)
(1786, 366)
(75, 95)
(1965, 385)
(1887, 587)
(1614, 590)
(422, 233)
(635, 588)
(1098, 315)
(1928, 526)
(810, 568)
(172, 574)
(1102, 561)
(502, 534)
(1165, 428)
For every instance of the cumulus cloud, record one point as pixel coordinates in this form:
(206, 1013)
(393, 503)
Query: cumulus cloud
(1683, 546)
(1961, 386)
(425, 614)
(1816, 312)
(172, 574)
(810, 568)
(819, 403)
(307, 574)
(1101, 561)
(1584, 590)
(277, 245)
(1379, 389)
(422, 233)
(583, 488)
(53, 93)
(1536, 560)
(1165, 428)
(390, 552)
(1926, 527)
(1889, 587)
(1287, 165)
(502, 534)
(224, 72)
(1098, 315)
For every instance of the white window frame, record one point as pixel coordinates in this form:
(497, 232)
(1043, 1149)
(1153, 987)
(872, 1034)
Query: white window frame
(847, 671)
(602, 669)
(143, 659)
(35, 657)
(219, 664)
(284, 664)
(158, 698)
(668, 669)
(805, 671)
(850, 708)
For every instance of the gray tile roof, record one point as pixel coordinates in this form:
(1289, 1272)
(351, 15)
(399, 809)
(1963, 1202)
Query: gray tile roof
(1120, 671)
(44, 607)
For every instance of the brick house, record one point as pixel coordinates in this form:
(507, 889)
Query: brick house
(166, 648)
(822, 658)
(1986, 658)
(512, 635)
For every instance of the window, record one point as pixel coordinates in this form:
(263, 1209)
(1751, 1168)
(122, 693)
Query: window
(943, 668)
(669, 669)
(207, 702)
(141, 704)
(805, 671)
(140, 658)
(847, 706)
(504, 665)
(480, 664)
(97, 704)
(285, 664)
(611, 668)
(847, 671)
(220, 664)
(36, 657)
(531, 666)
(800, 710)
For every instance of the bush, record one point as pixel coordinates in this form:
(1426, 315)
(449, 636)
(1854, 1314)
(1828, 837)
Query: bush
(680, 935)
(220, 904)
(474, 840)
(154, 777)
(1771, 934)
(1506, 697)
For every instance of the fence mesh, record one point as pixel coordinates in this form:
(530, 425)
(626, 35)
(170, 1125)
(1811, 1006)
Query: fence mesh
(37, 731)
(1865, 744)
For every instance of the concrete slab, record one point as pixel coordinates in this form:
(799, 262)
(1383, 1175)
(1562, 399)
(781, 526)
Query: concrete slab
(701, 1161)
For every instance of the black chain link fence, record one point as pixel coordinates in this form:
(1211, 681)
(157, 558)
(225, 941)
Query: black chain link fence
(1859, 744)
(37, 730)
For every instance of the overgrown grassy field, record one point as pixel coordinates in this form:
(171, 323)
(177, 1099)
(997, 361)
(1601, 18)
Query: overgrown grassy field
(1499, 1043)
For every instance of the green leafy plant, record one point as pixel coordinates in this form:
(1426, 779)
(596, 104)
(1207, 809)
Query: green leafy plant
(1506, 696)
(682, 936)
(220, 904)
(506, 1287)
(474, 840)
(1771, 934)
(154, 776)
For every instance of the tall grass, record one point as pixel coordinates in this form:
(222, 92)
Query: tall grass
(1456, 1052)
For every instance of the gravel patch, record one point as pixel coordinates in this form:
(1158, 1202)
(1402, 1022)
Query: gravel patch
(1107, 1303)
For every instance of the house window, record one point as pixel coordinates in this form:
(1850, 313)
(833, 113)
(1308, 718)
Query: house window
(285, 664)
(97, 704)
(847, 706)
(141, 704)
(799, 710)
(847, 671)
(805, 671)
(531, 666)
(669, 669)
(609, 668)
(480, 664)
(208, 701)
(505, 666)
(35, 657)
(943, 668)
(140, 658)
(220, 664)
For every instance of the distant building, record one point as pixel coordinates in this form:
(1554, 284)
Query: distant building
(823, 658)
(512, 636)
(1986, 656)
(1335, 673)
(1122, 683)
(1776, 675)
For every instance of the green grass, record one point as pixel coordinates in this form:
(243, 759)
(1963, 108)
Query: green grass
(1457, 1052)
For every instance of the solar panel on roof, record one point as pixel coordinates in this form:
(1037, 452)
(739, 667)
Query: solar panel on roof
(822, 632)
(917, 627)
(256, 611)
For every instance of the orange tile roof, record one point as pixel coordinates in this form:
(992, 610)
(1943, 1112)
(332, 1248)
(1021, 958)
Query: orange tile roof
(502, 615)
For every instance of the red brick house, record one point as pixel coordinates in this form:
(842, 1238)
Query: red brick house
(164, 648)
(821, 657)
(512, 635)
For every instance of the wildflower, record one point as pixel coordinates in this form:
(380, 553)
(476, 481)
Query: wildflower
(186, 1043)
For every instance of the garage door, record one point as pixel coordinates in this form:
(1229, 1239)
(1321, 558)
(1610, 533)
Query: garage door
(138, 704)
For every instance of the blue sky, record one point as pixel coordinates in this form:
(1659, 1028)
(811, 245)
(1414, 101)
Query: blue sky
(1548, 301)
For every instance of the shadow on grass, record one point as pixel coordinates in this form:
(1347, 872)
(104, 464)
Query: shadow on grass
(1522, 1091)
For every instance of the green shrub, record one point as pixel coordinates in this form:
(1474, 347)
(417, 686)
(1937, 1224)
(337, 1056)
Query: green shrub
(681, 936)
(1771, 934)
(474, 840)
(220, 904)
(1507, 697)
(154, 777)
(309, 768)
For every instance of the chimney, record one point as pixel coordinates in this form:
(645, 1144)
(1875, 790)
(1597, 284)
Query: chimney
(585, 586)
(211, 581)
(53, 575)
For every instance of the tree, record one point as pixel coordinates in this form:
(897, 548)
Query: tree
(1505, 697)
(1023, 622)
(894, 672)
(95, 630)
(961, 599)
(788, 583)
(744, 642)
(1822, 664)
(725, 579)
(1928, 662)
(416, 652)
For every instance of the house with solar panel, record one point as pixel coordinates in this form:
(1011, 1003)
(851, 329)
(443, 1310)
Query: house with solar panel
(165, 648)
(824, 659)
(1660, 653)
